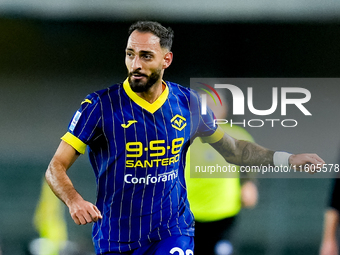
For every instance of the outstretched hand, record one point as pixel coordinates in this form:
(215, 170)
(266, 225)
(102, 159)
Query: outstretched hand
(306, 162)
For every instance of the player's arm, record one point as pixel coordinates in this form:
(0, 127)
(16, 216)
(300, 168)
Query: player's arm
(329, 245)
(82, 212)
(251, 154)
(249, 194)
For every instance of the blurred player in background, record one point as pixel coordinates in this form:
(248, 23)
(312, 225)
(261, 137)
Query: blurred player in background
(215, 202)
(49, 220)
(329, 245)
(137, 133)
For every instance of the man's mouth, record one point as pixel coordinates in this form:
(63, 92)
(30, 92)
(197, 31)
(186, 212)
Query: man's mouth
(138, 75)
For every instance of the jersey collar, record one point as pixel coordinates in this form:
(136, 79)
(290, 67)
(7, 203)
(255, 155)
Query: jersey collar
(143, 103)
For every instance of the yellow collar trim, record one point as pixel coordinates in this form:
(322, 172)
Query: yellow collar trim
(143, 103)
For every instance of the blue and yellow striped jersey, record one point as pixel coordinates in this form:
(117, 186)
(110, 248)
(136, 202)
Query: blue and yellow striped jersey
(137, 151)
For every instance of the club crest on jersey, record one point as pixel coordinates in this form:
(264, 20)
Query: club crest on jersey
(178, 122)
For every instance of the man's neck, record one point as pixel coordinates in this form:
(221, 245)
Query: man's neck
(153, 93)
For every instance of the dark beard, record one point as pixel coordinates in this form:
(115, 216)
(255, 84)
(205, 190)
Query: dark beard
(140, 86)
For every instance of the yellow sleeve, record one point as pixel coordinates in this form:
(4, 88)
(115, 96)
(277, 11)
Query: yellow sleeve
(75, 142)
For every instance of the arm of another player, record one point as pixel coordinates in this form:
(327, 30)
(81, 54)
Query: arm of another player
(82, 212)
(251, 154)
(249, 194)
(329, 245)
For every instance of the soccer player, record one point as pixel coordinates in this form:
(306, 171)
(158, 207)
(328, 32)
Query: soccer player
(50, 222)
(137, 134)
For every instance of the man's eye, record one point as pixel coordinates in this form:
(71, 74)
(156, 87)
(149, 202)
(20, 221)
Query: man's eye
(147, 56)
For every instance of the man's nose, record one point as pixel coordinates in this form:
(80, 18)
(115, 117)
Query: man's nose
(136, 63)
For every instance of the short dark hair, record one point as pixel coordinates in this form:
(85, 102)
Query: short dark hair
(165, 35)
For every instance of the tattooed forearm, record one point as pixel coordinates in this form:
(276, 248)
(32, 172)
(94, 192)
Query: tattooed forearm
(242, 152)
(227, 145)
(254, 154)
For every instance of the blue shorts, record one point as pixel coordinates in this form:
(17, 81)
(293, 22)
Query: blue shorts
(176, 245)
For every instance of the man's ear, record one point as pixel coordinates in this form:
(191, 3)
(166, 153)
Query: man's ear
(167, 59)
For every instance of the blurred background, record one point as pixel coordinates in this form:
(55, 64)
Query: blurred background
(53, 53)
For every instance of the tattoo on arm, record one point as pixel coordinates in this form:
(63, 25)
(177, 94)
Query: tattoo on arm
(242, 152)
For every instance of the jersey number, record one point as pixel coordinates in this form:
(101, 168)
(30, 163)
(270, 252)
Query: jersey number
(181, 252)
(156, 148)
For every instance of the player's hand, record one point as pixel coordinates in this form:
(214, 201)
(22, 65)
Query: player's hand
(306, 162)
(83, 212)
(329, 248)
(249, 194)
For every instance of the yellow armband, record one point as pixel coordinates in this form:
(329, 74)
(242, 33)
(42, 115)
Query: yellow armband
(215, 137)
